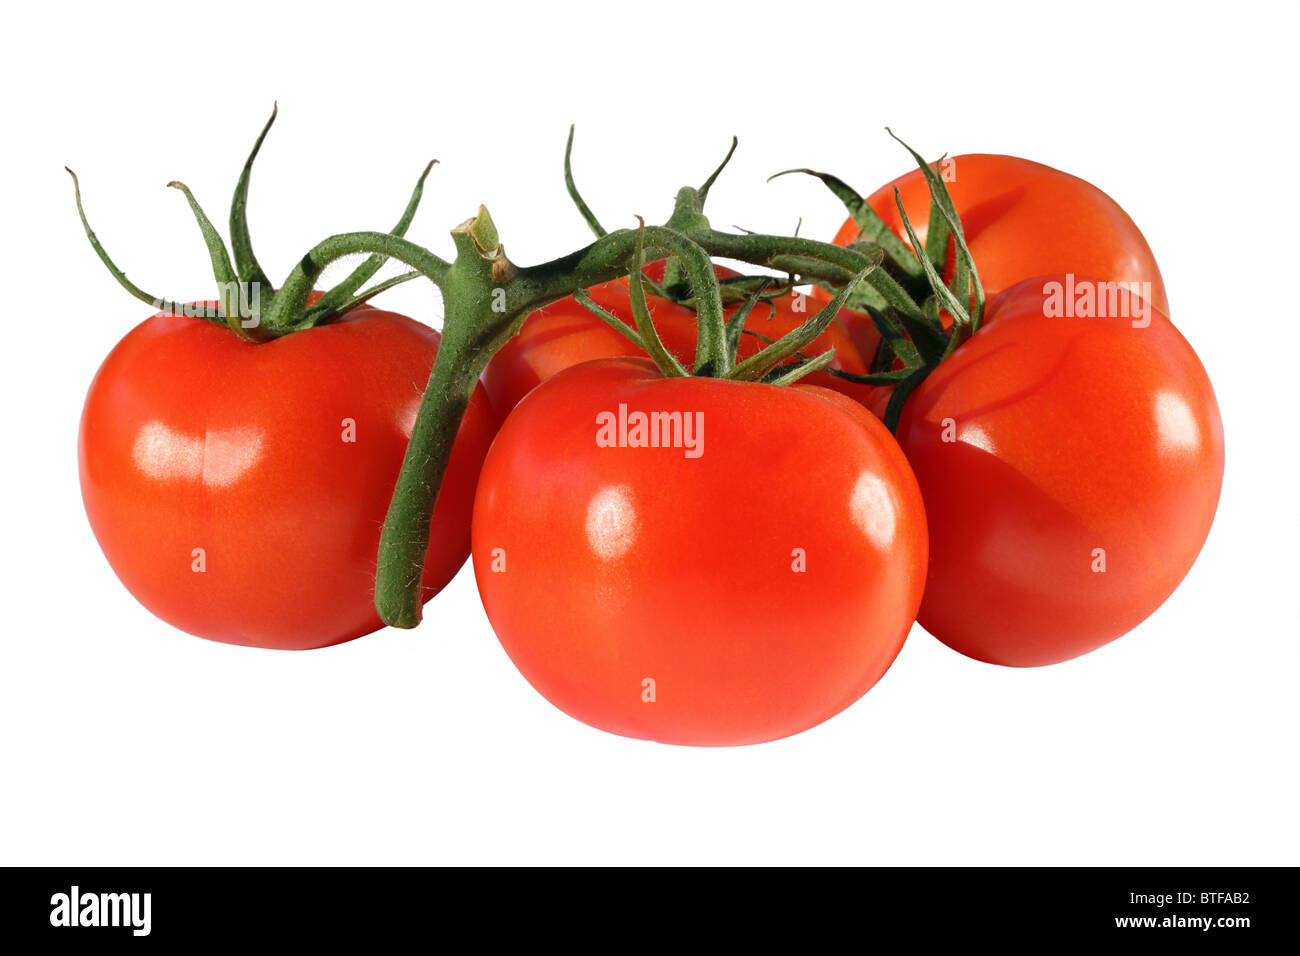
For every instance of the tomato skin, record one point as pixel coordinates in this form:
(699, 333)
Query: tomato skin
(1021, 219)
(564, 334)
(626, 563)
(1066, 435)
(192, 438)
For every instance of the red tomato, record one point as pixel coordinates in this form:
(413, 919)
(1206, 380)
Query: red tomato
(1021, 219)
(564, 334)
(1071, 469)
(735, 596)
(221, 483)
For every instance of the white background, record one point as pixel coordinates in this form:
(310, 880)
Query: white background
(123, 741)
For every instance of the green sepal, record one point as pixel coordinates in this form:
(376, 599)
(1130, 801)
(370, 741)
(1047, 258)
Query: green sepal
(236, 302)
(584, 210)
(941, 291)
(757, 365)
(894, 335)
(241, 243)
(871, 226)
(703, 191)
(966, 280)
(156, 302)
(900, 395)
(937, 232)
(310, 320)
(736, 322)
(892, 377)
(585, 300)
(789, 374)
(333, 301)
(666, 361)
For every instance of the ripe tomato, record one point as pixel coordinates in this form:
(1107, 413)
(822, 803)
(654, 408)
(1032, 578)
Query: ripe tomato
(1070, 467)
(564, 334)
(1021, 219)
(736, 593)
(238, 490)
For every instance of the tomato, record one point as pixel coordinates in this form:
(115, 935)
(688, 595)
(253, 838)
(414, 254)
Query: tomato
(564, 334)
(1021, 219)
(238, 490)
(1070, 467)
(734, 587)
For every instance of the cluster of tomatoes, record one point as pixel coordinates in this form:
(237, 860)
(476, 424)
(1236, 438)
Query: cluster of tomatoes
(691, 559)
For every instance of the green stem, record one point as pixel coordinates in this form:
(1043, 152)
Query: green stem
(404, 539)
(473, 329)
(487, 299)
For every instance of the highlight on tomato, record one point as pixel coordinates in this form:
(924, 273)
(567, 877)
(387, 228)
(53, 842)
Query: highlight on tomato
(236, 466)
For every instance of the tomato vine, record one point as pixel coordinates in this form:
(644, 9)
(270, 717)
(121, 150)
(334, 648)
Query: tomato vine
(487, 297)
